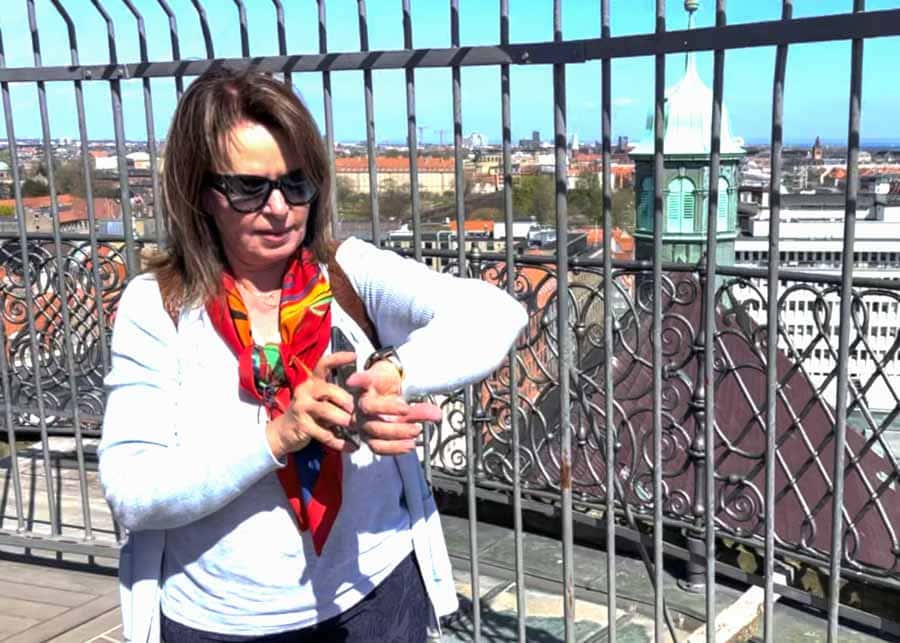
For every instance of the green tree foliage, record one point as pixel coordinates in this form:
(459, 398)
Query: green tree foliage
(7, 210)
(70, 178)
(533, 196)
(34, 187)
(586, 200)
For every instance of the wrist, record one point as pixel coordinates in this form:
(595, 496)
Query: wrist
(386, 371)
(285, 435)
(387, 355)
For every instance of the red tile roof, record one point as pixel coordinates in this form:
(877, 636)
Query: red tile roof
(392, 164)
(104, 209)
(475, 225)
(36, 202)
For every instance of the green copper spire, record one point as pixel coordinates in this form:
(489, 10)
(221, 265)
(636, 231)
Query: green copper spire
(688, 113)
(690, 6)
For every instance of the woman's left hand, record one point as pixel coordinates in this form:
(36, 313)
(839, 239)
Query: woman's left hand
(389, 422)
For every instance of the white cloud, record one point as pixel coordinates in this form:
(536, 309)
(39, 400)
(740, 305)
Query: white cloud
(624, 101)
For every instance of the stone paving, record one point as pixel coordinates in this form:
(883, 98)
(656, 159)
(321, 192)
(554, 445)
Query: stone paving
(50, 597)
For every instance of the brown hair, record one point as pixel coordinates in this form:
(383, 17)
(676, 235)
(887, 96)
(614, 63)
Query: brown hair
(189, 269)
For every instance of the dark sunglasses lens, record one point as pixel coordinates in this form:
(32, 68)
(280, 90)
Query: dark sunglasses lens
(297, 189)
(299, 194)
(247, 203)
(246, 193)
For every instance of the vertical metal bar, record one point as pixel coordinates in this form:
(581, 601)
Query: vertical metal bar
(837, 514)
(787, 10)
(412, 141)
(370, 125)
(245, 38)
(61, 289)
(204, 25)
(511, 276)
(88, 191)
(659, 130)
(562, 329)
(10, 427)
(158, 214)
(282, 38)
(329, 115)
(468, 397)
(709, 331)
(115, 89)
(4, 365)
(413, 146)
(608, 322)
(29, 299)
(176, 48)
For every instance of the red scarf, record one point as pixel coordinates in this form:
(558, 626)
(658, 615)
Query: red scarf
(312, 478)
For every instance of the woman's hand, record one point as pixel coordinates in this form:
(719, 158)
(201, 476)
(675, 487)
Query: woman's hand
(316, 406)
(390, 424)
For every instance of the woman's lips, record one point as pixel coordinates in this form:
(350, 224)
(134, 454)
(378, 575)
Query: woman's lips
(274, 235)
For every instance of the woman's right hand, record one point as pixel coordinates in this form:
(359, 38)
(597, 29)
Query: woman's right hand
(316, 406)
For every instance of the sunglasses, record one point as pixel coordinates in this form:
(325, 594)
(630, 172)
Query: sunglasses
(248, 193)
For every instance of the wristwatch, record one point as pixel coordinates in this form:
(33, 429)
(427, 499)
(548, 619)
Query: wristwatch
(388, 354)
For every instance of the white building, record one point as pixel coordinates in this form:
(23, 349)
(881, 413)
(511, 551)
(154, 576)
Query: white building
(811, 240)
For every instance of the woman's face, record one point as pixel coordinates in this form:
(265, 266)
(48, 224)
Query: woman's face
(263, 240)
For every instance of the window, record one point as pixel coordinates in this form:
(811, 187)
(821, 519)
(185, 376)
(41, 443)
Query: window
(680, 206)
(722, 207)
(645, 210)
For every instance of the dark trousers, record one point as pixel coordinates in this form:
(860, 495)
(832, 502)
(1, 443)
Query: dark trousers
(397, 611)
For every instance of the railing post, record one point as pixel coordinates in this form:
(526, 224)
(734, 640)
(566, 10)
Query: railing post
(695, 569)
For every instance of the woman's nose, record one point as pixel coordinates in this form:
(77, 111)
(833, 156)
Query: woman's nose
(276, 203)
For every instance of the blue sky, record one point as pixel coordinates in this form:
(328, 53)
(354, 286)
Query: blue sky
(816, 99)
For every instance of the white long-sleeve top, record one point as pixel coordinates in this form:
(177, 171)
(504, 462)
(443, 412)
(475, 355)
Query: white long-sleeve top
(186, 466)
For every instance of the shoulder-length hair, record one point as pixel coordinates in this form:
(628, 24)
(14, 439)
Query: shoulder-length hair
(189, 269)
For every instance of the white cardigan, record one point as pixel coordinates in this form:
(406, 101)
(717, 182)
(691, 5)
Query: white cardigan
(448, 332)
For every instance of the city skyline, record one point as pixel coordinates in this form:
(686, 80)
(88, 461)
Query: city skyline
(816, 95)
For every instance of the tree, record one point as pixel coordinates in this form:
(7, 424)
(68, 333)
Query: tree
(534, 196)
(392, 201)
(34, 187)
(70, 178)
(586, 198)
(7, 210)
(623, 209)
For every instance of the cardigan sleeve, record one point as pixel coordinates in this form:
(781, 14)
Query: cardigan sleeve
(150, 480)
(447, 331)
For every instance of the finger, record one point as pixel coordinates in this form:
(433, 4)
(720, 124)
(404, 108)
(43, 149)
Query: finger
(360, 379)
(324, 436)
(391, 447)
(325, 391)
(423, 412)
(391, 430)
(383, 405)
(327, 414)
(333, 360)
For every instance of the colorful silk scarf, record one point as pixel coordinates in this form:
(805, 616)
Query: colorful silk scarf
(312, 478)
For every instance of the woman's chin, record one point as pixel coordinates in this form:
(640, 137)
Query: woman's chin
(272, 248)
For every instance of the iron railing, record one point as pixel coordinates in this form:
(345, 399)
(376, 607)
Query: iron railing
(655, 347)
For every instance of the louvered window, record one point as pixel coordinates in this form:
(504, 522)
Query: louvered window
(722, 208)
(680, 206)
(646, 208)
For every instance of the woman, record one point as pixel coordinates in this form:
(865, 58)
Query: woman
(224, 452)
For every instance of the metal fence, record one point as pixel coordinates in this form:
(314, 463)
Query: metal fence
(716, 436)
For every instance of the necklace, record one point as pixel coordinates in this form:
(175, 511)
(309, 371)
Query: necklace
(269, 299)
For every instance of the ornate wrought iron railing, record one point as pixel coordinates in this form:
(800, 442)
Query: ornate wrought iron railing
(681, 416)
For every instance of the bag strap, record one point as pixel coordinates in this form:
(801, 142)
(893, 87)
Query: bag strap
(347, 298)
(344, 294)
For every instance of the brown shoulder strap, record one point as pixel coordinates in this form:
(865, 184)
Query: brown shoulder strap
(346, 296)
